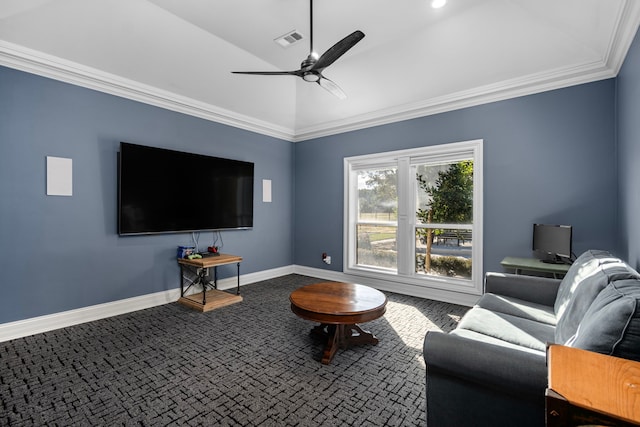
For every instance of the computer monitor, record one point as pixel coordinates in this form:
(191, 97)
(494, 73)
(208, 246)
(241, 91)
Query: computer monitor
(552, 243)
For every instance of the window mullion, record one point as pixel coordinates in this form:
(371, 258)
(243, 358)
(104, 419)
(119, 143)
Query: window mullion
(405, 217)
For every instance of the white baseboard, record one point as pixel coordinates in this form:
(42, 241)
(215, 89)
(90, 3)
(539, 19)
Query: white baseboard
(391, 286)
(36, 325)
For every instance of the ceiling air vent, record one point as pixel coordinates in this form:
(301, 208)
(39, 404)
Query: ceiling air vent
(290, 38)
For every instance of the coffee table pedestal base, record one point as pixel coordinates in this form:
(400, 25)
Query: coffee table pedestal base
(338, 307)
(341, 336)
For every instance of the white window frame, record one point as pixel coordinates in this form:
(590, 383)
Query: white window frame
(407, 190)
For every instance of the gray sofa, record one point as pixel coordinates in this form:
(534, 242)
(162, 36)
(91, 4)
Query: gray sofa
(491, 370)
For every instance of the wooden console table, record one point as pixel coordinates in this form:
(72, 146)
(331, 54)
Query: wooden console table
(533, 264)
(213, 298)
(587, 388)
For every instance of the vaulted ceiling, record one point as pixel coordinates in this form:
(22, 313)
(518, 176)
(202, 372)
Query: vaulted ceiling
(414, 60)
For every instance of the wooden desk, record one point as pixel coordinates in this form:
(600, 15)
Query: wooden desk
(533, 264)
(207, 300)
(338, 307)
(587, 388)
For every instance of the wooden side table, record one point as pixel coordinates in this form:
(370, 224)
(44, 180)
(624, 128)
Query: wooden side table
(587, 388)
(213, 298)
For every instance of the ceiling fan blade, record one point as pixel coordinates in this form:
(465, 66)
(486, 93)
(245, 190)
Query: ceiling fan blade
(337, 50)
(270, 73)
(332, 87)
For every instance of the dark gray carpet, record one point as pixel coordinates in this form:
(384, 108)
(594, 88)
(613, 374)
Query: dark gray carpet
(248, 364)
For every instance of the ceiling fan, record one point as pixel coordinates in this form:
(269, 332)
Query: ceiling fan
(312, 67)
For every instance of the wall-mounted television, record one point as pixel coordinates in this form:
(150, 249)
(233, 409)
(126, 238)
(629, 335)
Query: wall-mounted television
(552, 243)
(167, 191)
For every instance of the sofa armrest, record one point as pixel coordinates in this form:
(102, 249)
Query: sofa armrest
(540, 290)
(488, 365)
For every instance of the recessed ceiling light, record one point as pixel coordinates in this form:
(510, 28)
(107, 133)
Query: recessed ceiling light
(437, 4)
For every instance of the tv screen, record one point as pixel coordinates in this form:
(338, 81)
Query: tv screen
(552, 241)
(166, 191)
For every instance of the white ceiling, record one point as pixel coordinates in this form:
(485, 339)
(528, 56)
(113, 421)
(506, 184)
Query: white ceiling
(414, 60)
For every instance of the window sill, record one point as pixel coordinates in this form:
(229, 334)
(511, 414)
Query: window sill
(430, 282)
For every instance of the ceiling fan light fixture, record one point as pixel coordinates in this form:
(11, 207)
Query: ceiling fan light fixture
(311, 77)
(437, 4)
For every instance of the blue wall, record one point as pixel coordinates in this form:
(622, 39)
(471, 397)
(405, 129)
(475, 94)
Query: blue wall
(61, 253)
(628, 91)
(548, 158)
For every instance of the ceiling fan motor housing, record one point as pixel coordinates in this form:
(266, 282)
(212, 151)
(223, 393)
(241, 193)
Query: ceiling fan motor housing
(312, 67)
(308, 74)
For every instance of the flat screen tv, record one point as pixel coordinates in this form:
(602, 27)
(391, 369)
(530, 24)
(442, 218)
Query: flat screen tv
(167, 191)
(552, 242)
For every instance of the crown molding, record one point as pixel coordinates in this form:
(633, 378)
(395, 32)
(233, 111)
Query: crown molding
(45, 65)
(35, 62)
(529, 85)
(626, 29)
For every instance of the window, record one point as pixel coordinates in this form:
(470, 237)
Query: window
(416, 216)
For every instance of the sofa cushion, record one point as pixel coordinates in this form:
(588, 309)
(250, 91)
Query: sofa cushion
(590, 274)
(612, 324)
(505, 327)
(517, 307)
(476, 336)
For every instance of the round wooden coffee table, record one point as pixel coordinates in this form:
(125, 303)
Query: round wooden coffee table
(338, 307)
